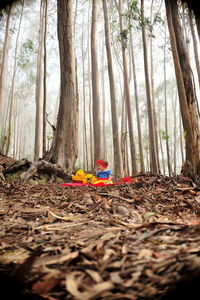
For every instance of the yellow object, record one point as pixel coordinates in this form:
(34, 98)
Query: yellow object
(104, 181)
(81, 176)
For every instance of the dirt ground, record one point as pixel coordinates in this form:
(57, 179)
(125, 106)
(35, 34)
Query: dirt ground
(135, 240)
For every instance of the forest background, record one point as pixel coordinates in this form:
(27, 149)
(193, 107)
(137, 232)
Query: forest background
(127, 111)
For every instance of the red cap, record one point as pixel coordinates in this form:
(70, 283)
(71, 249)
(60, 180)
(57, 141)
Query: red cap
(102, 163)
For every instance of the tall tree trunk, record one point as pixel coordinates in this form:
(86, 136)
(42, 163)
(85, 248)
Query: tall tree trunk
(38, 88)
(95, 85)
(166, 111)
(153, 156)
(196, 55)
(2, 77)
(103, 97)
(115, 130)
(44, 135)
(181, 138)
(127, 94)
(124, 134)
(64, 146)
(10, 117)
(75, 16)
(162, 162)
(186, 91)
(142, 169)
(174, 107)
(84, 53)
(91, 139)
(153, 92)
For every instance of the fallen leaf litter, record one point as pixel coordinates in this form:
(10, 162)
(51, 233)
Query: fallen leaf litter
(130, 241)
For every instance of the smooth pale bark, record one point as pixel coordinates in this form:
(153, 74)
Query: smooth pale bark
(153, 91)
(174, 107)
(10, 117)
(162, 164)
(152, 143)
(115, 130)
(75, 16)
(90, 95)
(142, 169)
(5, 53)
(85, 144)
(44, 135)
(3, 70)
(64, 146)
(38, 88)
(124, 134)
(181, 138)
(127, 94)
(95, 85)
(166, 109)
(103, 97)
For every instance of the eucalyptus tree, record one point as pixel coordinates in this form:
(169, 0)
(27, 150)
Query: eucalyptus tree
(115, 130)
(3, 71)
(195, 44)
(84, 53)
(10, 117)
(123, 39)
(154, 18)
(166, 106)
(152, 142)
(186, 90)
(39, 83)
(64, 146)
(95, 84)
(141, 158)
(103, 96)
(44, 132)
(174, 108)
(194, 7)
(91, 131)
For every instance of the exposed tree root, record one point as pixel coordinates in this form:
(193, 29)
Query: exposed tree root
(46, 167)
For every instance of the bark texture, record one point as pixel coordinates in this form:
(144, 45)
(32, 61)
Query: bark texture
(64, 146)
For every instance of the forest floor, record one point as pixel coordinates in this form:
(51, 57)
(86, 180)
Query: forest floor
(135, 240)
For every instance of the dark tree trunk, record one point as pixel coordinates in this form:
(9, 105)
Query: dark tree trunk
(64, 146)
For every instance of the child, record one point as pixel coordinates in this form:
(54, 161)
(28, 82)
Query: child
(103, 173)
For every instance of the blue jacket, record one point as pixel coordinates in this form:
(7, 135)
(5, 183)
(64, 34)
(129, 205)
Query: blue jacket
(104, 174)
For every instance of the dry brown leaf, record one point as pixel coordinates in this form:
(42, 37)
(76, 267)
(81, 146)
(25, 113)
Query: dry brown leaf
(73, 283)
(15, 256)
(94, 275)
(46, 283)
(55, 259)
(108, 254)
(145, 254)
(124, 249)
(115, 278)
